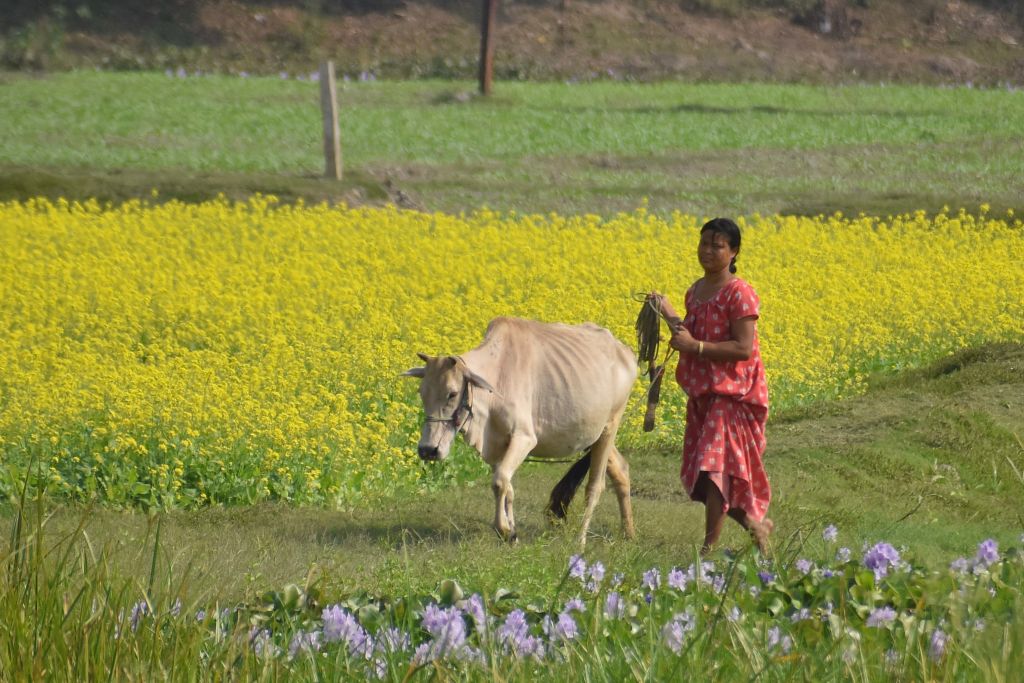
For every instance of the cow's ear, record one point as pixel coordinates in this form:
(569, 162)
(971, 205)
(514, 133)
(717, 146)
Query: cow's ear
(478, 381)
(450, 362)
(414, 372)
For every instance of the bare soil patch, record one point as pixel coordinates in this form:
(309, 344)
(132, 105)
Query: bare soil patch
(933, 41)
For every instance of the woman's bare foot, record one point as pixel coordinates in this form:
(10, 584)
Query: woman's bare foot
(760, 531)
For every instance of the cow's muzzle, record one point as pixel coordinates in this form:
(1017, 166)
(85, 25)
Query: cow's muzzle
(429, 453)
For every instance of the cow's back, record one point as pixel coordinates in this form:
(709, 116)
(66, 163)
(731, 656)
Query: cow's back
(569, 380)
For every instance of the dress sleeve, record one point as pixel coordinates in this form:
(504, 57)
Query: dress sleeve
(743, 302)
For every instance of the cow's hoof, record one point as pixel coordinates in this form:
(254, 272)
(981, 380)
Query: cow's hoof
(510, 537)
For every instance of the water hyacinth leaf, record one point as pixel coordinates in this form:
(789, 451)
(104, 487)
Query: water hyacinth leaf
(865, 579)
(533, 608)
(292, 598)
(370, 617)
(773, 602)
(450, 592)
(399, 609)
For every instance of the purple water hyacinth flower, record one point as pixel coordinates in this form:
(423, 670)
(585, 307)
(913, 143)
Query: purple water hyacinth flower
(169, 73)
(880, 558)
(283, 75)
(830, 534)
(802, 614)
(988, 552)
(340, 626)
(777, 640)
(843, 555)
(673, 635)
(577, 567)
(475, 609)
(677, 579)
(766, 577)
(514, 634)
(315, 76)
(617, 579)
(391, 640)
(614, 606)
(139, 610)
(734, 614)
(243, 74)
(565, 628)
(718, 583)
(827, 573)
(304, 641)
(881, 616)
(200, 615)
(575, 605)
(597, 572)
(260, 639)
(804, 566)
(960, 565)
(447, 627)
(937, 645)
(181, 73)
(176, 608)
(675, 631)
(652, 579)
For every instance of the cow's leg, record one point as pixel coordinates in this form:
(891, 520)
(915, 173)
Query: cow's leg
(600, 453)
(618, 472)
(503, 466)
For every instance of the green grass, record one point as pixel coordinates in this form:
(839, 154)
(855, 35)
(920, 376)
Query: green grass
(924, 460)
(597, 147)
(928, 460)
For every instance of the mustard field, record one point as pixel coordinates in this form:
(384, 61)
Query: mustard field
(177, 355)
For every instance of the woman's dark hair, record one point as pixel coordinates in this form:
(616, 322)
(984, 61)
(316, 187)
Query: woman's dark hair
(730, 231)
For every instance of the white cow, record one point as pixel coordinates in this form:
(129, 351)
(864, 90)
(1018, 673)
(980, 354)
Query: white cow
(544, 390)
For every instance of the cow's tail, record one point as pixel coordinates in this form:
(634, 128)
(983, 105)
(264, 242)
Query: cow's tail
(566, 488)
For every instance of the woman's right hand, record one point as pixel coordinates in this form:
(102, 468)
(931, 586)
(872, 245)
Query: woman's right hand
(668, 311)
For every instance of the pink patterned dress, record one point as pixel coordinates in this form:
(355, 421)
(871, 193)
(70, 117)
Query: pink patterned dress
(728, 405)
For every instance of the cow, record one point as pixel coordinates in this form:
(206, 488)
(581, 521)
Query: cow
(538, 390)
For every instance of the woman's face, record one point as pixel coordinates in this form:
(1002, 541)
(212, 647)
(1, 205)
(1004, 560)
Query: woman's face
(714, 252)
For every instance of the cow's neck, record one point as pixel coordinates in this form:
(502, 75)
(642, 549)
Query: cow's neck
(473, 433)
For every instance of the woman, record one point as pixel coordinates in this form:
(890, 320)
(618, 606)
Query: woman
(721, 372)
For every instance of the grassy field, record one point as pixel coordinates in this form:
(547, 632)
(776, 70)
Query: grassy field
(922, 460)
(593, 148)
(919, 462)
(930, 460)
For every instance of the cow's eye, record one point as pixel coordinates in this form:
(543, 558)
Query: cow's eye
(452, 395)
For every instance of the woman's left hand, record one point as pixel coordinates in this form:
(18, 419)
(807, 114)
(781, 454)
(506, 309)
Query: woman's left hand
(682, 341)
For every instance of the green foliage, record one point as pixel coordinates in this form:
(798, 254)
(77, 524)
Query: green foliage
(701, 148)
(68, 615)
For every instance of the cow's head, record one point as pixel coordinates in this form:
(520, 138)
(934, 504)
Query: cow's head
(446, 388)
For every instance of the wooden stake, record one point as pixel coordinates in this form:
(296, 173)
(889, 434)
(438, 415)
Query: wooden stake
(332, 134)
(490, 10)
